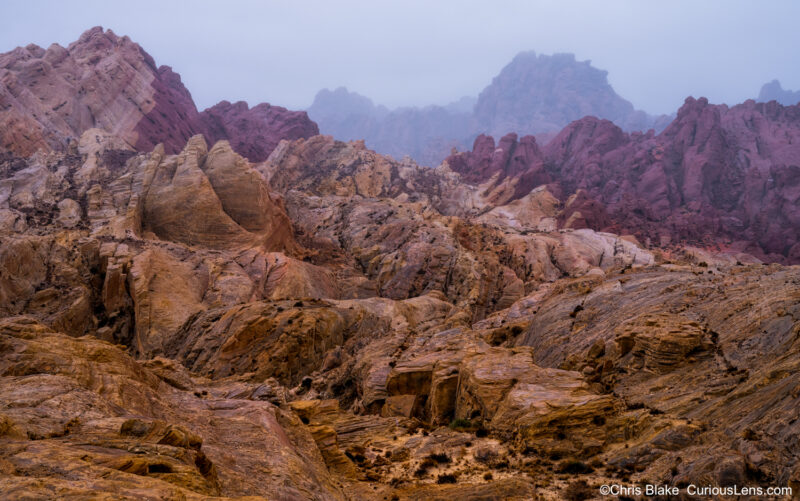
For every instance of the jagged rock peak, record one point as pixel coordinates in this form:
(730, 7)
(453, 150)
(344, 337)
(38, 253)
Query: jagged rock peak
(49, 97)
(715, 176)
(538, 93)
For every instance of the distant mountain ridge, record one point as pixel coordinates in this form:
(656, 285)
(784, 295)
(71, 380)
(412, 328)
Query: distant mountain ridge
(532, 95)
(773, 91)
(426, 134)
(540, 93)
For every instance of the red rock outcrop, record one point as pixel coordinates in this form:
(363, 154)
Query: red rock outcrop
(520, 160)
(255, 132)
(717, 176)
(48, 97)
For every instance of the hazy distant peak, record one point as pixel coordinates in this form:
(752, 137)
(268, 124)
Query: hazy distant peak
(533, 94)
(530, 57)
(773, 91)
(542, 93)
(343, 102)
(464, 105)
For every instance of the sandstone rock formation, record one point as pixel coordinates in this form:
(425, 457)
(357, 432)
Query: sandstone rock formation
(107, 424)
(51, 96)
(334, 324)
(717, 176)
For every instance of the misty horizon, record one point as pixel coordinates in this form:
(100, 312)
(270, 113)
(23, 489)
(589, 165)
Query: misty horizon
(401, 55)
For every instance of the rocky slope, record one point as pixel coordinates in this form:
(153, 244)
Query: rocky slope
(533, 95)
(51, 96)
(334, 324)
(716, 176)
(773, 91)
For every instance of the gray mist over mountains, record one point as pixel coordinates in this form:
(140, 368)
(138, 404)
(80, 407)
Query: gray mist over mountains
(419, 53)
(533, 95)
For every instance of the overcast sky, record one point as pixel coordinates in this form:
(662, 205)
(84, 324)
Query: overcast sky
(431, 52)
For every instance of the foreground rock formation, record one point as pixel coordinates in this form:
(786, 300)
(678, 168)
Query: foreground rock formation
(333, 324)
(51, 96)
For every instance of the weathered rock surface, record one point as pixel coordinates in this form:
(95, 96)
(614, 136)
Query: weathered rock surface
(405, 247)
(49, 97)
(716, 176)
(82, 418)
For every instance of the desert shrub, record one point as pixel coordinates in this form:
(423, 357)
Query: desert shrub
(440, 458)
(574, 466)
(459, 423)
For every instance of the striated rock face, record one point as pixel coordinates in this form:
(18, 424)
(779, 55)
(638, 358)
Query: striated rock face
(211, 198)
(102, 81)
(533, 95)
(716, 176)
(49, 97)
(115, 426)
